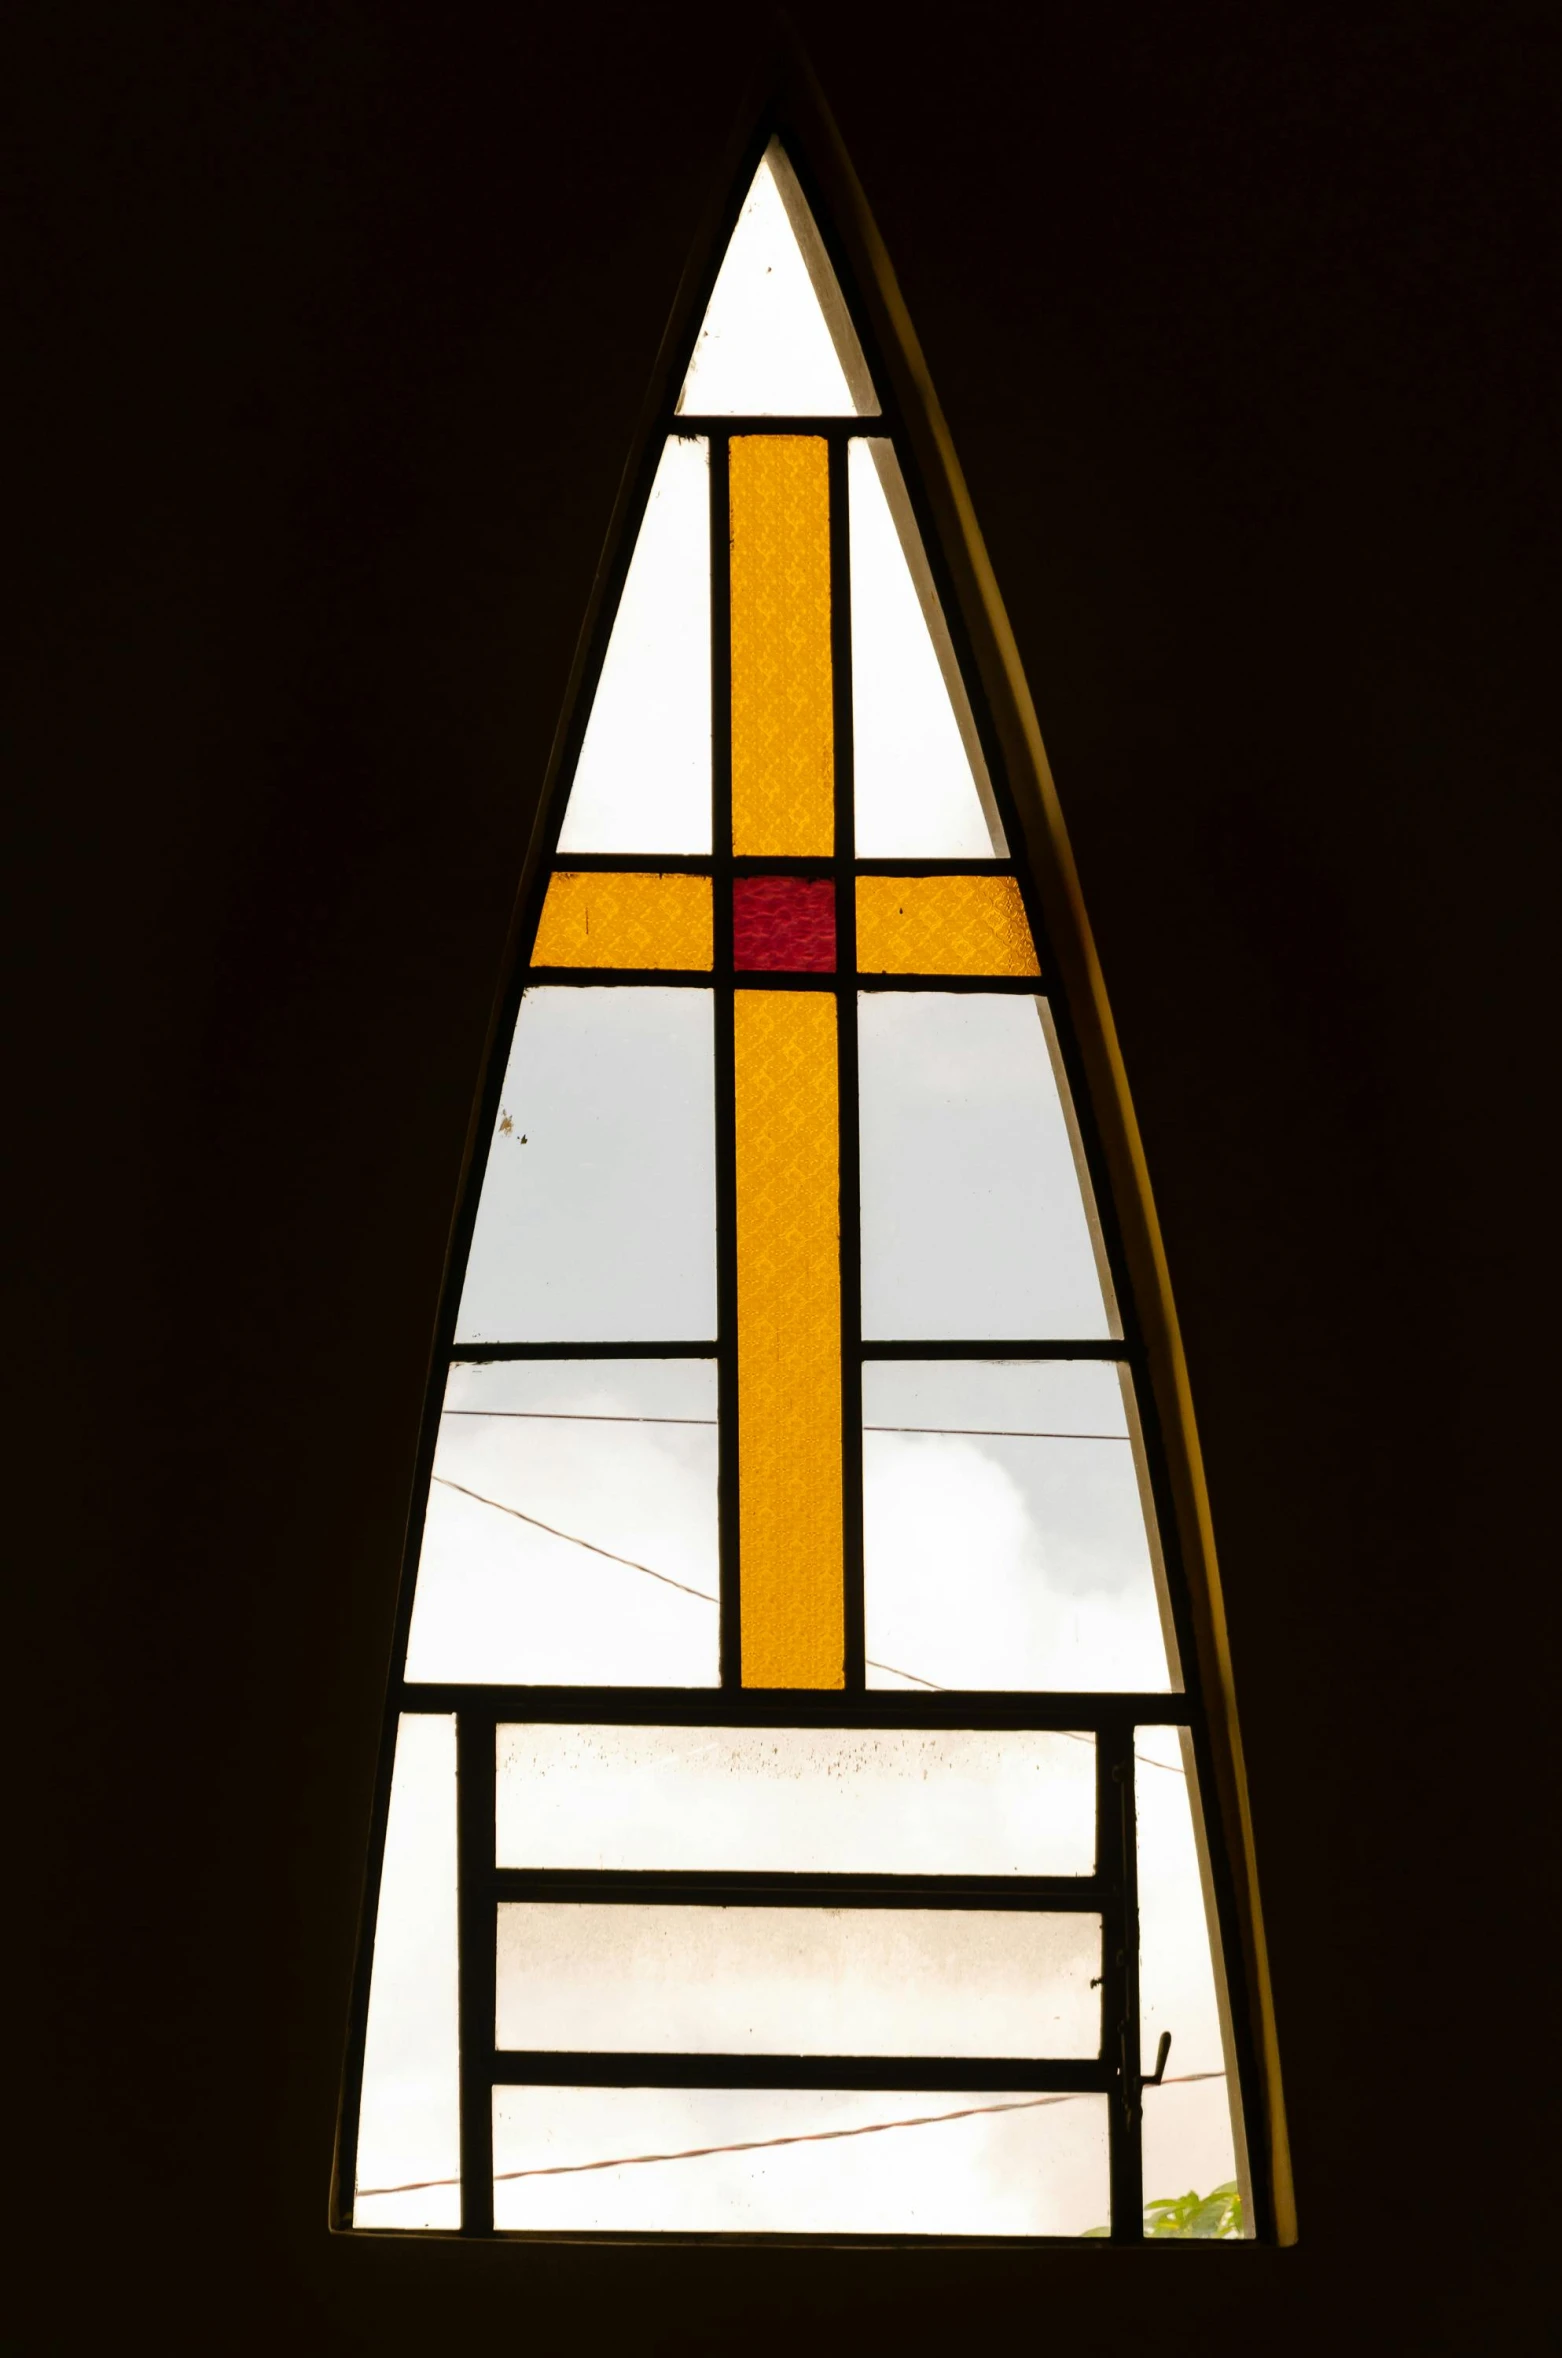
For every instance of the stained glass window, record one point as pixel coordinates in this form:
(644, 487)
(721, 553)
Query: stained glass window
(800, 1745)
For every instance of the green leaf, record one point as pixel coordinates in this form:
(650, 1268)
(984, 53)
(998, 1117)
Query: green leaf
(1204, 2218)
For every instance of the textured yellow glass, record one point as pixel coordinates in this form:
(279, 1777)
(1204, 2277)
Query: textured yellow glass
(789, 1339)
(783, 741)
(662, 921)
(942, 925)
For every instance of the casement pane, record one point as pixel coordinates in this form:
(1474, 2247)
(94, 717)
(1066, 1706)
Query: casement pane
(776, 340)
(597, 1221)
(817, 2163)
(974, 1217)
(643, 779)
(920, 782)
(1005, 1534)
(823, 1801)
(571, 1531)
(796, 1981)
(1192, 2141)
(409, 2129)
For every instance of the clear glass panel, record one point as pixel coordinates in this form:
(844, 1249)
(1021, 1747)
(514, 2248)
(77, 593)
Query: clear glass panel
(785, 2161)
(921, 784)
(643, 780)
(598, 1214)
(571, 1532)
(776, 340)
(409, 2127)
(1005, 1540)
(974, 1221)
(1191, 2141)
(822, 1801)
(796, 1981)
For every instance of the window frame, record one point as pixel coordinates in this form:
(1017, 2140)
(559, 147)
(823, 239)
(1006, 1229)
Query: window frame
(1149, 1344)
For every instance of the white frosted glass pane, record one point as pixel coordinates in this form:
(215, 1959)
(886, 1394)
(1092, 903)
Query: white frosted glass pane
(601, 1596)
(973, 1219)
(643, 782)
(776, 340)
(1005, 1542)
(1190, 2145)
(916, 759)
(598, 1214)
(409, 2127)
(818, 2163)
(823, 1801)
(797, 1981)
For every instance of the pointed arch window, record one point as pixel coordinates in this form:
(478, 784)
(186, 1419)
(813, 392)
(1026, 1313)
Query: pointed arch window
(809, 1795)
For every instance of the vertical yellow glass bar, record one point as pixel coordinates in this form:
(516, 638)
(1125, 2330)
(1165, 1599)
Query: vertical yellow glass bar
(783, 739)
(789, 1339)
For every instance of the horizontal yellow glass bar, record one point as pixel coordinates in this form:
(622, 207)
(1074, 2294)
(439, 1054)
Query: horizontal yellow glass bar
(615, 920)
(942, 925)
(783, 724)
(791, 1559)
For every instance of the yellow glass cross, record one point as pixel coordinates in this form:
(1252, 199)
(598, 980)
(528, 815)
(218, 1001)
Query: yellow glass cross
(786, 1065)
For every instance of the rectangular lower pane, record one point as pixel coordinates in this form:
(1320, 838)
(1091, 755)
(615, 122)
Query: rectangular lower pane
(408, 2170)
(797, 1800)
(1005, 1536)
(783, 2161)
(571, 1534)
(796, 1981)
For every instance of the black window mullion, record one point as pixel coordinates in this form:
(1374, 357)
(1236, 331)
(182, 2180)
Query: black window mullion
(1117, 1866)
(478, 1929)
(494, 1354)
(1009, 1347)
(981, 2074)
(1076, 1895)
(846, 1069)
(831, 429)
(973, 1709)
(728, 1520)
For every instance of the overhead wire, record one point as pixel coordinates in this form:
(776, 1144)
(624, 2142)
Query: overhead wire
(810, 2137)
(581, 1416)
(707, 1598)
(628, 2161)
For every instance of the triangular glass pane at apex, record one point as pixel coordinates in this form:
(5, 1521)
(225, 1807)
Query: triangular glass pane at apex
(776, 340)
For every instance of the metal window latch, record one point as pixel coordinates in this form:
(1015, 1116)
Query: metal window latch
(1133, 2083)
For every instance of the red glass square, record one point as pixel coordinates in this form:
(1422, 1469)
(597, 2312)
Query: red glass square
(783, 924)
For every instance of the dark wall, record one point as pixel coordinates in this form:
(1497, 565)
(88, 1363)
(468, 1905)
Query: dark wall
(340, 317)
